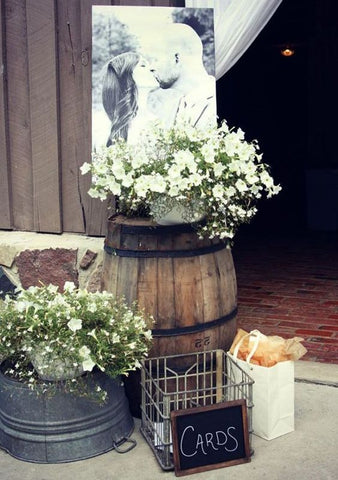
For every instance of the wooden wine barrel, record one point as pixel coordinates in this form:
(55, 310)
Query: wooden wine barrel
(188, 284)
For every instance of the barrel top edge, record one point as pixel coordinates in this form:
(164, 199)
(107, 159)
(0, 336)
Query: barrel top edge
(118, 219)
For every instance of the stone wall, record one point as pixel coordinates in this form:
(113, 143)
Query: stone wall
(28, 258)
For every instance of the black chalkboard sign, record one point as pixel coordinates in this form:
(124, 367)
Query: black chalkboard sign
(205, 438)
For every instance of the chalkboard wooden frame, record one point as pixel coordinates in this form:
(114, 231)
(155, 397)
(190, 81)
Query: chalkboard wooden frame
(218, 414)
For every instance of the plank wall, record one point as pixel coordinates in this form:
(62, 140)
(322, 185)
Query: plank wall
(45, 115)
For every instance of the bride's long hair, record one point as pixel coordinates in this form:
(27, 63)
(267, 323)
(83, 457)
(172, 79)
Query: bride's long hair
(119, 94)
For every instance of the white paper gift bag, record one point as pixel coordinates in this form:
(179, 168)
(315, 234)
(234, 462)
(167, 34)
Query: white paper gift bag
(273, 396)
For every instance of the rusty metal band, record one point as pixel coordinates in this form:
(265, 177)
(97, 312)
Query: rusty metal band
(200, 327)
(165, 253)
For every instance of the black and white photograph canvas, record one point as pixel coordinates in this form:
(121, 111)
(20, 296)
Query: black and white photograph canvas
(151, 64)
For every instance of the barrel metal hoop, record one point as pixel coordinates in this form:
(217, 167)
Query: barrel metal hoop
(165, 253)
(155, 229)
(168, 332)
(158, 229)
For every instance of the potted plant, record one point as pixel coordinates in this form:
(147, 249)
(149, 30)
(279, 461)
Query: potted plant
(214, 174)
(63, 354)
(49, 336)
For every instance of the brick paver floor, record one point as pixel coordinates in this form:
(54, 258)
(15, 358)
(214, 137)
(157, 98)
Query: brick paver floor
(289, 287)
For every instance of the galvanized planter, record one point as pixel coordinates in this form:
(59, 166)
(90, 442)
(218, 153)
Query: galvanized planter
(62, 427)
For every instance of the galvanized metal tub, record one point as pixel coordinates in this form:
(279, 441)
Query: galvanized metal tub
(63, 427)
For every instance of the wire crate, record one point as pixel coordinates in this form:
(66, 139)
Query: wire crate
(185, 381)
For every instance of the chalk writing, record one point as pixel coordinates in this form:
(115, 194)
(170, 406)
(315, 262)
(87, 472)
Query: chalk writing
(214, 440)
(210, 437)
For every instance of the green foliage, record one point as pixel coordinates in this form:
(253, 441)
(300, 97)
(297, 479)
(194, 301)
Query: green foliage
(73, 331)
(214, 171)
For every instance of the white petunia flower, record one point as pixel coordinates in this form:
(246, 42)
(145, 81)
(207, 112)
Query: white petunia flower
(88, 364)
(92, 307)
(85, 168)
(69, 287)
(159, 185)
(218, 191)
(208, 152)
(92, 333)
(148, 334)
(266, 179)
(75, 324)
(84, 351)
(241, 186)
(174, 171)
(92, 192)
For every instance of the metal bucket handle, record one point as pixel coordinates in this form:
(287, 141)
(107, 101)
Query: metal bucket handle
(125, 440)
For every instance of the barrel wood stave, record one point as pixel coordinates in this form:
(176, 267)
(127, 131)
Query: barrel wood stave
(181, 292)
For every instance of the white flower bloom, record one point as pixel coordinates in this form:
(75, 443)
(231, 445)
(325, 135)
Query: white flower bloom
(218, 191)
(118, 171)
(230, 192)
(69, 287)
(115, 338)
(174, 171)
(22, 305)
(195, 179)
(113, 186)
(128, 180)
(143, 184)
(173, 191)
(137, 364)
(75, 324)
(52, 288)
(208, 152)
(92, 333)
(84, 351)
(266, 179)
(92, 307)
(215, 165)
(241, 186)
(159, 185)
(274, 190)
(218, 169)
(88, 364)
(92, 192)
(148, 334)
(235, 167)
(183, 183)
(252, 178)
(139, 159)
(85, 168)
(184, 158)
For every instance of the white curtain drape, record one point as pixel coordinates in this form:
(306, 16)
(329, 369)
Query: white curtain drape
(237, 24)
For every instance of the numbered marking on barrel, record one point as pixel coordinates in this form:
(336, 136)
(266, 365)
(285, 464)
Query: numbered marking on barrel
(202, 342)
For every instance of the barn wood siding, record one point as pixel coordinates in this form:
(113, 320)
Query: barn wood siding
(45, 115)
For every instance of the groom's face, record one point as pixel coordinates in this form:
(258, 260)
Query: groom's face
(165, 68)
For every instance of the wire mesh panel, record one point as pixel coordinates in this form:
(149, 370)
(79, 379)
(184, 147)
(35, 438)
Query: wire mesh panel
(185, 381)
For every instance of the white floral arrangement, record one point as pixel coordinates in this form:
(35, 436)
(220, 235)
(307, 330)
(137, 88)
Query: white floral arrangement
(213, 171)
(84, 329)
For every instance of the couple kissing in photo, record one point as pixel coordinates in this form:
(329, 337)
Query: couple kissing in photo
(167, 82)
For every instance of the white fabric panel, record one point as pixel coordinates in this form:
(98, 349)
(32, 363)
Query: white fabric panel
(237, 24)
